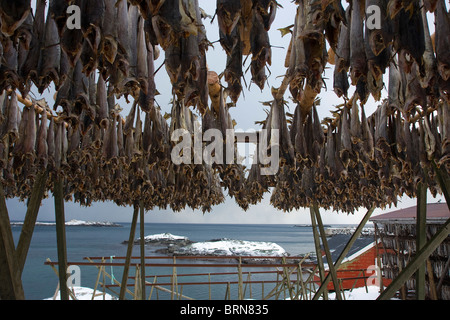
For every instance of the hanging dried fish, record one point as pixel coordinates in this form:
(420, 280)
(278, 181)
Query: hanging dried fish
(442, 40)
(41, 144)
(233, 70)
(13, 14)
(428, 57)
(340, 82)
(366, 138)
(30, 66)
(430, 5)
(379, 38)
(343, 49)
(260, 49)
(228, 14)
(409, 34)
(9, 67)
(49, 64)
(358, 60)
(345, 148)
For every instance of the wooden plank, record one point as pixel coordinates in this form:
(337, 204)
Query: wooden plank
(421, 236)
(34, 203)
(345, 251)
(416, 262)
(129, 251)
(60, 221)
(10, 281)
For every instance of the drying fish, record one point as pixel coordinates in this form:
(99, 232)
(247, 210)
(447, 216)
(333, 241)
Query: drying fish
(442, 40)
(343, 49)
(141, 57)
(379, 38)
(30, 66)
(92, 22)
(109, 44)
(260, 49)
(41, 145)
(147, 99)
(228, 14)
(267, 10)
(13, 14)
(358, 60)
(49, 64)
(233, 71)
(12, 117)
(430, 5)
(429, 59)
(345, 148)
(168, 22)
(409, 34)
(9, 68)
(340, 82)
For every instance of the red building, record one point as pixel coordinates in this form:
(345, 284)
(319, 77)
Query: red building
(359, 266)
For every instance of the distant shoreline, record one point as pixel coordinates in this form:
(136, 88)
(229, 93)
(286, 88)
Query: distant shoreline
(76, 223)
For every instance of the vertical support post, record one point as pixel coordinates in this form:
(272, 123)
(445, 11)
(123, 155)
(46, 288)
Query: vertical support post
(61, 237)
(421, 237)
(240, 281)
(123, 286)
(327, 253)
(10, 282)
(142, 236)
(378, 255)
(319, 256)
(34, 203)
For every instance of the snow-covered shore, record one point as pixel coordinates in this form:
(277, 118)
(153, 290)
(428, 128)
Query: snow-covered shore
(75, 222)
(181, 245)
(230, 247)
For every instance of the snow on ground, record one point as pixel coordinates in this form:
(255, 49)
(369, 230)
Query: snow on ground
(83, 293)
(163, 237)
(230, 247)
(372, 293)
(75, 222)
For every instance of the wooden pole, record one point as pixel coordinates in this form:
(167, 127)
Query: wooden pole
(345, 251)
(34, 203)
(126, 268)
(61, 237)
(421, 237)
(417, 261)
(142, 245)
(331, 267)
(318, 255)
(10, 280)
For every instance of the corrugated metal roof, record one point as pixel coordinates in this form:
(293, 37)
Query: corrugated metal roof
(435, 212)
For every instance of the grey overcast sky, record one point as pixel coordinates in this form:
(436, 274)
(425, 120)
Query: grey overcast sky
(249, 109)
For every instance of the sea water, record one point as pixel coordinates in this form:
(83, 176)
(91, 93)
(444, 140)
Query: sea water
(40, 281)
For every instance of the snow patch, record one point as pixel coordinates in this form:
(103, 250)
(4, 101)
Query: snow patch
(229, 247)
(83, 293)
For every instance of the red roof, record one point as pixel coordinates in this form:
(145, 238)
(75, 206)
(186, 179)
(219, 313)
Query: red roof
(435, 211)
